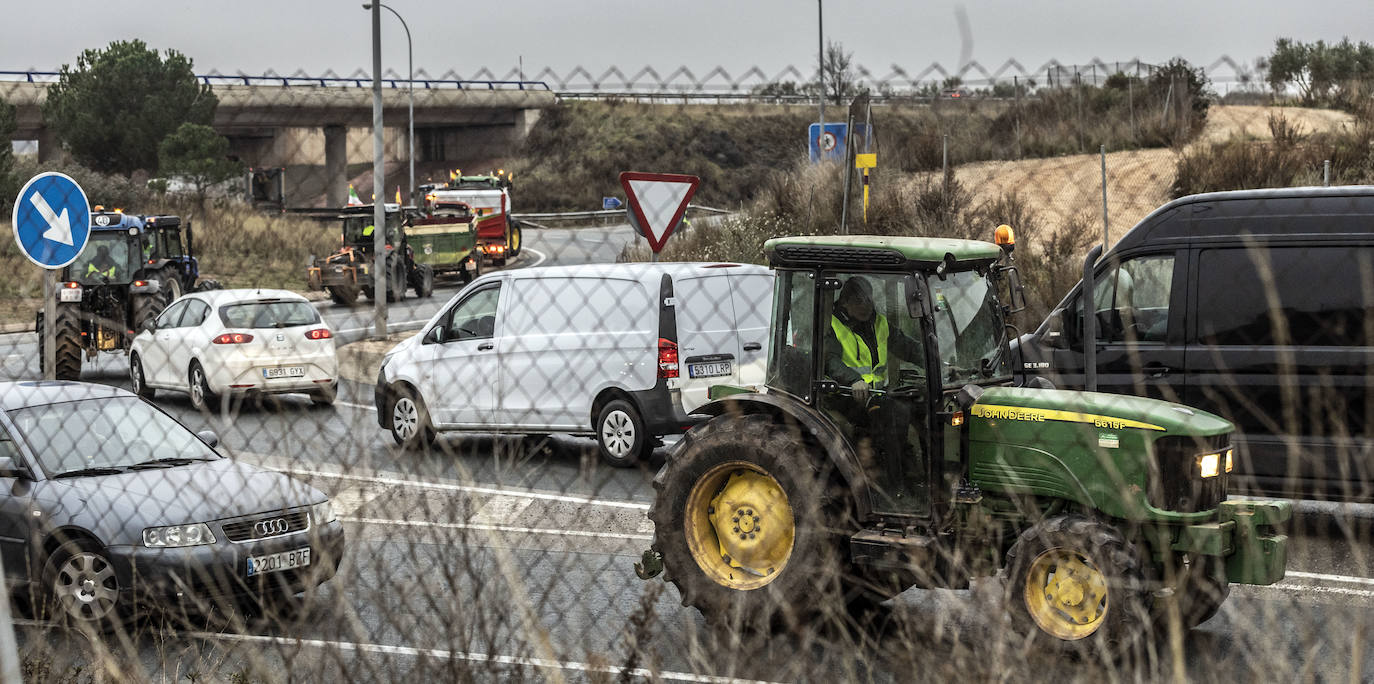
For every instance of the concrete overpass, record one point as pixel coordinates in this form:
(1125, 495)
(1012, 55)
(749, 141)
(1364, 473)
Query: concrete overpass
(326, 123)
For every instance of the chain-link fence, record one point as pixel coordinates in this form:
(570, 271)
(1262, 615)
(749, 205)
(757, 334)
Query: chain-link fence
(824, 457)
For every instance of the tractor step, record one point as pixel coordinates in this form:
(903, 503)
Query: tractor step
(891, 548)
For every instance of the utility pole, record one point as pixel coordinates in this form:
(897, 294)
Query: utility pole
(379, 274)
(820, 62)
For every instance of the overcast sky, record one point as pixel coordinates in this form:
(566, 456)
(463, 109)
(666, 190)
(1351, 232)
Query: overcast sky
(314, 36)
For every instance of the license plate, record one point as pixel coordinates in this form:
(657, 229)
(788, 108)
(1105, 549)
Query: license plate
(277, 562)
(283, 372)
(708, 370)
(68, 294)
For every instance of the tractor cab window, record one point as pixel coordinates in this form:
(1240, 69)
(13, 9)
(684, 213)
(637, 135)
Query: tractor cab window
(169, 243)
(106, 258)
(969, 326)
(790, 350)
(873, 363)
(359, 228)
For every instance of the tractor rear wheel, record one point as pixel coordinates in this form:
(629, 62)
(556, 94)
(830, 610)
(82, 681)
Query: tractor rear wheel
(170, 278)
(396, 281)
(343, 295)
(1076, 585)
(424, 281)
(67, 334)
(747, 528)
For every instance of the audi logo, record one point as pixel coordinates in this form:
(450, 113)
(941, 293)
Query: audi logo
(269, 528)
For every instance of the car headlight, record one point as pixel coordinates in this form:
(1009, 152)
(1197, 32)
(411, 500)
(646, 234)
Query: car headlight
(322, 513)
(176, 536)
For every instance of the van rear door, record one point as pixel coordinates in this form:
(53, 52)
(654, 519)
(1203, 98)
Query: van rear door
(752, 296)
(708, 347)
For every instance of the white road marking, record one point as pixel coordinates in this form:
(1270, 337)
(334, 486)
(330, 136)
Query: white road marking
(470, 489)
(501, 508)
(347, 501)
(480, 527)
(443, 654)
(540, 260)
(349, 404)
(1348, 579)
(1303, 588)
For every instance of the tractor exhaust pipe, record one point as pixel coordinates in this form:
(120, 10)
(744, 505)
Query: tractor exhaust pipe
(1090, 321)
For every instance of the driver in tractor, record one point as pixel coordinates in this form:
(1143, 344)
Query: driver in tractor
(858, 352)
(102, 265)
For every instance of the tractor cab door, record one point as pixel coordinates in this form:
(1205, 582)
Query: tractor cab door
(871, 337)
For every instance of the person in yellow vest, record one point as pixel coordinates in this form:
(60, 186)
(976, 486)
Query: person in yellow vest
(102, 264)
(860, 341)
(860, 349)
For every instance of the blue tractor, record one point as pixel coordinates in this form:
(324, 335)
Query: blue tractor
(131, 269)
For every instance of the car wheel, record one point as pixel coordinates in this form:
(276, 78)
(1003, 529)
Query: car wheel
(83, 590)
(620, 435)
(201, 396)
(141, 387)
(410, 425)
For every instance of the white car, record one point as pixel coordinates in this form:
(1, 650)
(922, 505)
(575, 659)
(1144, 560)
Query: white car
(221, 342)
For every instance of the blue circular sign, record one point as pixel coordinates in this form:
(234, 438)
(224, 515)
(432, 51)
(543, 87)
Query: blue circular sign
(52, 220)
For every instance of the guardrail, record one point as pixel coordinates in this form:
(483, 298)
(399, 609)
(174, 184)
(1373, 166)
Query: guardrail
(604, 213)
(314, 81)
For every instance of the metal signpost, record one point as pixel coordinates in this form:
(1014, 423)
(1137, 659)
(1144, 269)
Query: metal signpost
(657, 203)
(379, 274)
(52, 220)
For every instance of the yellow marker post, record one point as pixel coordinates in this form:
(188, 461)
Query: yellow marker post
(866, 162)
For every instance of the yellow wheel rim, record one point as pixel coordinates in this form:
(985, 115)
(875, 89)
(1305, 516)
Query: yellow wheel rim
(515, 241)
(739, 524)
(1066, 594)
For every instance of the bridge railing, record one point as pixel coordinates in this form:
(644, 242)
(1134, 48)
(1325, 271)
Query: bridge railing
(315, 81)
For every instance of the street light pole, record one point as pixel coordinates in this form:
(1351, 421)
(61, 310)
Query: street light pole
(410, 95)
(379, 274)
(820, 62)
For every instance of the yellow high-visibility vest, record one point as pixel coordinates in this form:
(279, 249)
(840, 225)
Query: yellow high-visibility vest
(92, 270)
(856, 354)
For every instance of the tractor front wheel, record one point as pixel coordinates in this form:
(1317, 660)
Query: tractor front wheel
(746, 529)
(67, 351)
(1076, 585)
(343, 295)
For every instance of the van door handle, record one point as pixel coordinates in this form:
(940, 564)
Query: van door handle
(486, 346)
(1156, 370)
(753, 346)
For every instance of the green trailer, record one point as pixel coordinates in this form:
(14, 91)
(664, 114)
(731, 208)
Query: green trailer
(446, 240)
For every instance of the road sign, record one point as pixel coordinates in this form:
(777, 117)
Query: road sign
(610, 202)
(657, 202)
(52, 220)
(831, 145)
(866, 161)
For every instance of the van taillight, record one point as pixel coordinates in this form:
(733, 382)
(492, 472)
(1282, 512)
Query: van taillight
(233, 338)
(667, 358)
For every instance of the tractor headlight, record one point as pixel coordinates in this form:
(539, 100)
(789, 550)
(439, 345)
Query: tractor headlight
(1229, 463)
(1209, 465)
(176, 536)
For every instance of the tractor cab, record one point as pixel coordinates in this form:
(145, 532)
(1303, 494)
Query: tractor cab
(359, 226)
(882, 343)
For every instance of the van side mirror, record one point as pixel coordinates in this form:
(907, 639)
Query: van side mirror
(209, 437)
(8, 468)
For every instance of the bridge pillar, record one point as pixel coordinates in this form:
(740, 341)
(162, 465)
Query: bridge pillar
(335, 165)
(49, 150)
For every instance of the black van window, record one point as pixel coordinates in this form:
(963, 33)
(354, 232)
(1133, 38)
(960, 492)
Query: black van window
(1132, 300)
(1305, 296)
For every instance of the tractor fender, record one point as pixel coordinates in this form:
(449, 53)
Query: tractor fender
(814, 427)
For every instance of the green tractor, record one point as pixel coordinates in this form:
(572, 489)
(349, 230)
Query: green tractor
(348, 272)
(891, 448)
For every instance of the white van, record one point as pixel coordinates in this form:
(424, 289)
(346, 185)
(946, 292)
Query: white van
(621, 352)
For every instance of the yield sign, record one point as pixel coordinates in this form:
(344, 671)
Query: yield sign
(657, 202)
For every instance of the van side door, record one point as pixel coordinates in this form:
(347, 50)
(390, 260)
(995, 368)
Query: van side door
(462, 387)
(1139, 301)
(752, 296)
(1280, 345)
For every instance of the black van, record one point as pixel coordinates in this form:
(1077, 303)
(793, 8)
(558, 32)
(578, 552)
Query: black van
(1257, 305)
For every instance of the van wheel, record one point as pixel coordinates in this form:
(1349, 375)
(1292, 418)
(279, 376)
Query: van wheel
(410, 425)
(621, 436)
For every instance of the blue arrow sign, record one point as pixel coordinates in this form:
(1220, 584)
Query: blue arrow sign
(52, 220)
(610, 202)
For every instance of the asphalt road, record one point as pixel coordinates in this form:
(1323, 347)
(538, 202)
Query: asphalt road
(501, 556)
